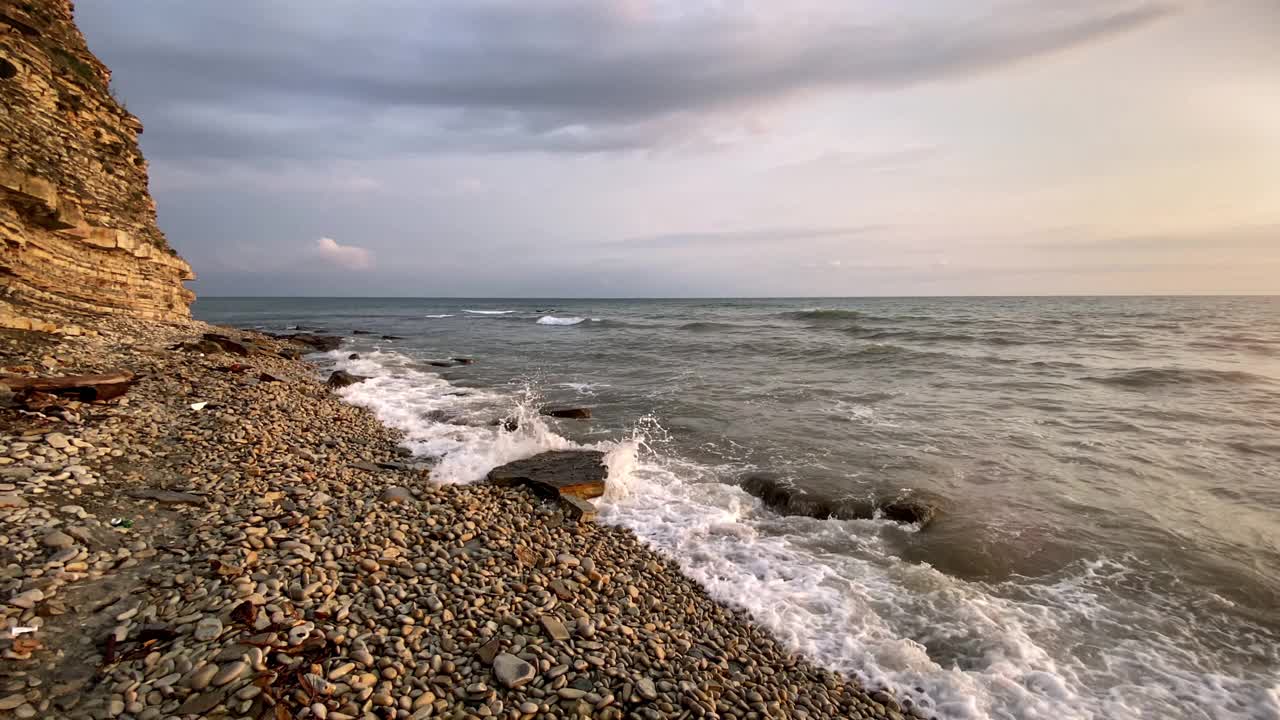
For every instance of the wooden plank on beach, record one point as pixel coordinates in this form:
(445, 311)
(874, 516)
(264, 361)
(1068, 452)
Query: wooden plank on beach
(89, 388)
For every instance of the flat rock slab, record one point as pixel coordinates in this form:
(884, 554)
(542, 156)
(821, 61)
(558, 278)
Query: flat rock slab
(554, 628)
(89, 388)
(170, 497)
(576, 473)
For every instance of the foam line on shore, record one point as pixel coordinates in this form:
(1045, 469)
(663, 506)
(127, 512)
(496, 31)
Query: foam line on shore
(964, 650)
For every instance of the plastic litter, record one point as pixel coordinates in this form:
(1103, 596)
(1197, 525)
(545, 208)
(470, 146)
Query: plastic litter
(200, 405)
(121, 523)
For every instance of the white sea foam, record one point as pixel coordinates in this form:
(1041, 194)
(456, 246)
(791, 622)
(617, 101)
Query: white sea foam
(489, 312)
(582, 388)
(553, 320)
(437, 317)
(966, 650)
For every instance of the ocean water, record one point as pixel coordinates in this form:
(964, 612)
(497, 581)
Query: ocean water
(1108, 470)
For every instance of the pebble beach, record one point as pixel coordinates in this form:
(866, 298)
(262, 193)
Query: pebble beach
(229, 539)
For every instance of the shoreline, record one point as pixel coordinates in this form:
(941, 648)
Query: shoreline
(268, 563)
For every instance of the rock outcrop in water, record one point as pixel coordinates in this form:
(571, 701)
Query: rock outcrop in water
(785, 498)
(77, 225)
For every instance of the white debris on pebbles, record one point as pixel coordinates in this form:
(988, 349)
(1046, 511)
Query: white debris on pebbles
(271, 571)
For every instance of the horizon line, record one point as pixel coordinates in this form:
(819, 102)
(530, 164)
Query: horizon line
(1259, 293)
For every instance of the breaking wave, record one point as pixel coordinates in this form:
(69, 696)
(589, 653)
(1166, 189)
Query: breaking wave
(823, 316)
(553, 320)
(956, 649)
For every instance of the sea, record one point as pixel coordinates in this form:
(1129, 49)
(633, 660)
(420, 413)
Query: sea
(1107, 472)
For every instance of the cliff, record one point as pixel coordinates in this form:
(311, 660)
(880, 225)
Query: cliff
(78, 228)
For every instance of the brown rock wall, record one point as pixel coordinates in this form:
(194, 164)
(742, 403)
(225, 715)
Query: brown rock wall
(78, 227)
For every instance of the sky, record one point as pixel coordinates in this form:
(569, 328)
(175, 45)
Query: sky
(698, 148)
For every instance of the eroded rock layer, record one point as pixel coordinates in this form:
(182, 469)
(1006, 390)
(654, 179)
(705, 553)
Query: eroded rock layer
(77, 225)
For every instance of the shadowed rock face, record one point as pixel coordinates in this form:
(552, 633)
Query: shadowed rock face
(77, 225)
(782, 497)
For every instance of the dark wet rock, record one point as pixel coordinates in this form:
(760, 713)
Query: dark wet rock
(489, 651)
(342, 378)
(463, 360)
(168, 497)
(353, 356)
(392, 337)
(268, 377)
(361, 332)
(580, 473)
(440, 363)
(784, 497)
(86, 388)
(289, 353)
(911, 509)
(568, 413)
(508, 424)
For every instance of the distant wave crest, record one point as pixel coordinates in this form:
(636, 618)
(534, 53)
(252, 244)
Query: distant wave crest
(553, 320)
(820, 315)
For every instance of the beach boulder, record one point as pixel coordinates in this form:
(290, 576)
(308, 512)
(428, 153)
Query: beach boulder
(342, 378)
(577, 473)
(783, 496)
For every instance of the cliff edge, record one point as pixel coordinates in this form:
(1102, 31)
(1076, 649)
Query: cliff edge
(78, 231)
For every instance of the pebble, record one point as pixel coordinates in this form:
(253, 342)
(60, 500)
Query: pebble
(207, 629)
(57, 540)
(229, 672)
(512, 672)
(27, 600)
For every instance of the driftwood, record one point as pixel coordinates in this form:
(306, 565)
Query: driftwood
(87, 388)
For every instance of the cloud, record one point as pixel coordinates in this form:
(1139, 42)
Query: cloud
(294, 79)
(345, 256)
(776, 237)
(1254, 237)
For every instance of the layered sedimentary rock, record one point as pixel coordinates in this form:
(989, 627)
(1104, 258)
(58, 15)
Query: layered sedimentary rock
(77, 225)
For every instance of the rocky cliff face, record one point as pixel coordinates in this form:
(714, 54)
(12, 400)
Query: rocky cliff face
(78, 228)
